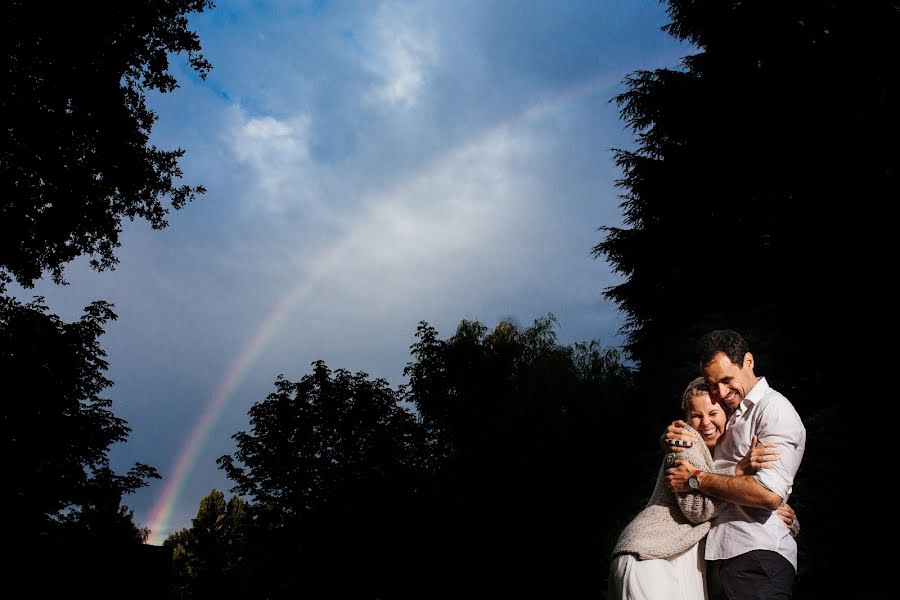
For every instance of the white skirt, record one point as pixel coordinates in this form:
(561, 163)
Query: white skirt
(680, 577)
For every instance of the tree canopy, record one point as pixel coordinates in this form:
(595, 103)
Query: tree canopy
(209, 558)
(58, 428)
(75, 157)
(490, 478)
(752, 196)
(61, 496)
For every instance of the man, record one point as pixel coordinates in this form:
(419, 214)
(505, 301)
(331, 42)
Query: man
(749, 551)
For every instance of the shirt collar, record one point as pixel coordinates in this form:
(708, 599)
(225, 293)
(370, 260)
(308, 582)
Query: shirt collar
(755, 395)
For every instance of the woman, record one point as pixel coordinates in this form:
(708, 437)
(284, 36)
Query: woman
(659, 555)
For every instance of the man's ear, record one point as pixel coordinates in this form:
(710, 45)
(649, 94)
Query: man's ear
(748, 361)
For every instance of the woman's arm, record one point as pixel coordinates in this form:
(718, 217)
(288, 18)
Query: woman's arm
(695, 506)
(789, 518)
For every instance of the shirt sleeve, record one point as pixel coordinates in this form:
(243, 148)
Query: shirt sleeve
(781, 425)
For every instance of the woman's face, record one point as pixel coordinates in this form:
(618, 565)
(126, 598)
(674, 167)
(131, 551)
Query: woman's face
(707, 417)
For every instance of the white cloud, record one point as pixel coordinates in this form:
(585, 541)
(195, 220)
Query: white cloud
(276, 154)
(454, 233)
(403, 52)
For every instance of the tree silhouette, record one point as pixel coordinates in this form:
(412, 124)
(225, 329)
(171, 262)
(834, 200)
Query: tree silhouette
(209, 558)
(516, 504)
(493, 485)
(57, 427)
(756, 166)
(751, 162)
(61, 495)
(330, 467)
(75, 159)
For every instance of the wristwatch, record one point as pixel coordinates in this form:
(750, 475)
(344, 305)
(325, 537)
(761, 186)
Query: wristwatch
(693, 481)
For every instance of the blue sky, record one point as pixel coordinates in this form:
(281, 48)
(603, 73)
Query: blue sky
(385, 163)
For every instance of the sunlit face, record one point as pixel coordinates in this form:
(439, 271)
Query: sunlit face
(728, 382)
(707, 417)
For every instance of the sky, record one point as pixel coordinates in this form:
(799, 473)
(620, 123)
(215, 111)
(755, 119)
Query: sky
(369, 165)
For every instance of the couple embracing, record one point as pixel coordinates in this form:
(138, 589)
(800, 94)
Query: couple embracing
(717, 525)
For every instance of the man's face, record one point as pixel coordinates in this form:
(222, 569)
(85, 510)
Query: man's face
(729, 383)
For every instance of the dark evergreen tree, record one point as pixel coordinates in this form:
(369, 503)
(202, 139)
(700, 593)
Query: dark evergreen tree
(752, 202)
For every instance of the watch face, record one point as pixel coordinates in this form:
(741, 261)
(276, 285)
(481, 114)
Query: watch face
(692, 481)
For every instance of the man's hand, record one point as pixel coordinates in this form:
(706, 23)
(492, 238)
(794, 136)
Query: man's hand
(679, 474)
(677, 431)
(761, 456)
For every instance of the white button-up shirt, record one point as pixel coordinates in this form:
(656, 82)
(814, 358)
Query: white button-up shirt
(739, 529)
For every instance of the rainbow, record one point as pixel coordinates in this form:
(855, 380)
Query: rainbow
(160, 517)
(159, 521)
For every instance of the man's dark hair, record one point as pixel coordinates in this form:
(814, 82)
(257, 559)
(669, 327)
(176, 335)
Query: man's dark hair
(728, 342)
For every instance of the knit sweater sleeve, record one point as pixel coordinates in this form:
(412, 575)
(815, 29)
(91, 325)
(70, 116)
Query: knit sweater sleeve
(795, 527)
(695, 506)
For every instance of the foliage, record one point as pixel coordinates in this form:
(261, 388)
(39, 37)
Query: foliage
(329, 463)
(63, 499)
(75, 157)
(494, 478)
(756, 165)
(311, 439)
(99, 514)
(57, 428)
(208, 558)
(513, 420)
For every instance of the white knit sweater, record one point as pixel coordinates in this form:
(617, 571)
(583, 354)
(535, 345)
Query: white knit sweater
(672, 523)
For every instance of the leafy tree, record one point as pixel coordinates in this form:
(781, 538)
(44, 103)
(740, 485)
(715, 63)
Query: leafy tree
(330, 465)
(209, 558)
(752, 202)
(75, 159)
(57, 429)
(514, 423)
(495, 482)
(99, 514)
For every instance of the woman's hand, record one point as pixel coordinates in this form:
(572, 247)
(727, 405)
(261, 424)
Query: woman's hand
(761, 456)
(677, 431)
(787, 514)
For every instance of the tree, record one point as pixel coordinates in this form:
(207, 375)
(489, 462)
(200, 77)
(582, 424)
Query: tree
(752, 201)
(98, 513)
(75, 158)
(57, 428)
(209, 558)
(518, 426)
(498, 480)
(752, 164)
(63, 499)
(330, 466)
